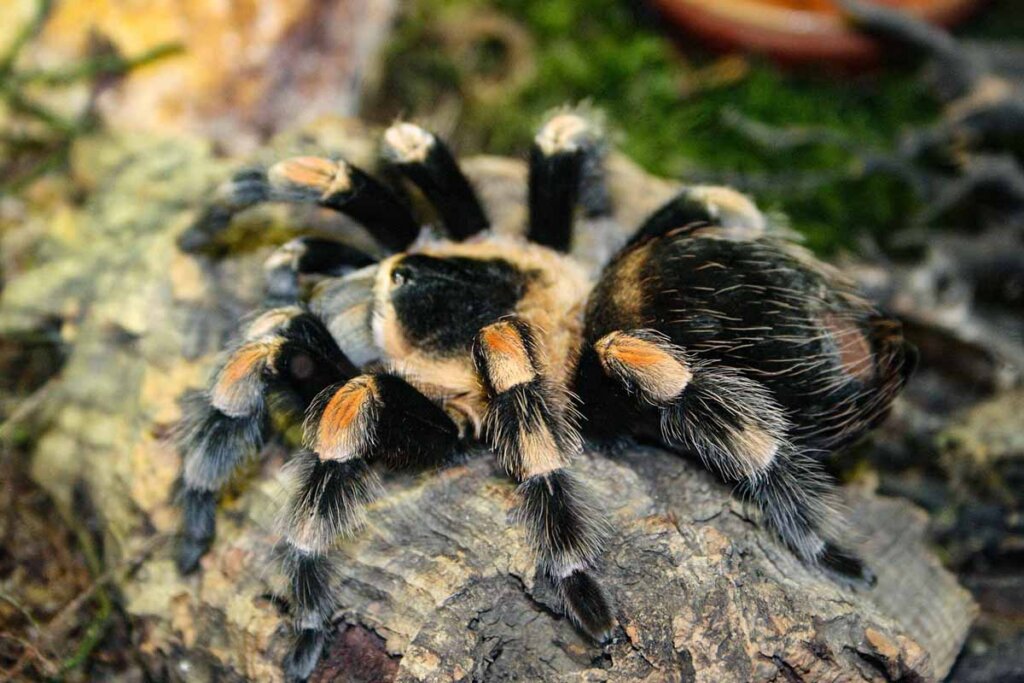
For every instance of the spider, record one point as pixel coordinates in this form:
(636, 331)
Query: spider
(707, 333)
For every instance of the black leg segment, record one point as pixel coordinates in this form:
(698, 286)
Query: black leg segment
(333, 184)
(566, 171)
(426, 161)
(738, 429)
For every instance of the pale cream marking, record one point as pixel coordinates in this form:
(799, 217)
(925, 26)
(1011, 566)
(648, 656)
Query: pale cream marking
(314, 534)
(508, 362)
(539, 453)
(733, 209)
(287, 254)
(467, 414)
(387, 333)
(553, 303)
(756, 446)
(628, 295)
(563, 133)
(552, 306)
(988, 91)
(407, 143)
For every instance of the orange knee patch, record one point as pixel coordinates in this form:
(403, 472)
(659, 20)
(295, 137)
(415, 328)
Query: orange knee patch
(653, 366)
(238, 390)
(311, 173)
(507, 357)
(345, 428)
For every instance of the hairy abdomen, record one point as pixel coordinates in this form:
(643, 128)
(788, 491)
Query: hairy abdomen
(767, 309)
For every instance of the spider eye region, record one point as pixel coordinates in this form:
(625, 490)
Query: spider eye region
(441, 302)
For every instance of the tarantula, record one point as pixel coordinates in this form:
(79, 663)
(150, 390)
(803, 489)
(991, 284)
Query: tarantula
(707, 333)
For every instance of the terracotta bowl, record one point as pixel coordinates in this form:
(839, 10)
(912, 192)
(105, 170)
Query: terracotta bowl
(795, 31)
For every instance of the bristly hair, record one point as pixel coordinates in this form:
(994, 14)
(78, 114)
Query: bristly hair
(214, 444)
(586, 604)
(568, 530)
(359, 436)
(198, 510)
(797, 502)
(718, 414)
(563, 522)
(312, 577)
(305, 652)
(415, 433)
(329, 499)
(704, 333)
(527, 409)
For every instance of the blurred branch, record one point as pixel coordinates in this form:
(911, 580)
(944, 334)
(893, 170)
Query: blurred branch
(778, 138)
(27, 33)
(96, 67)
(104, 605)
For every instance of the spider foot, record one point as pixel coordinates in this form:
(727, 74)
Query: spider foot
(846, 566)
(305, 653)
(199, 509)
(586, 605)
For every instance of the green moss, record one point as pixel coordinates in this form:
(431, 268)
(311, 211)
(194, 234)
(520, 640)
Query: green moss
(597, 50)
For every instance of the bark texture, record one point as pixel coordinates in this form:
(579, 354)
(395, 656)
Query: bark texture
(439, 586)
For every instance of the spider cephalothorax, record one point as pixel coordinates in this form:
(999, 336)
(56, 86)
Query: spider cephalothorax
(706, 333)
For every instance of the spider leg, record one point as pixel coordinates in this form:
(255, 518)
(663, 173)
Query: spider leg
(738, 430)
(332, 184)
(427, 162)
(529, 423)
(712, 207)
(308, 256)
(284, 349)
(373, 417)
(566, 169)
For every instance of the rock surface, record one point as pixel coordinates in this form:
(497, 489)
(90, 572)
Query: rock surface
(440, 586)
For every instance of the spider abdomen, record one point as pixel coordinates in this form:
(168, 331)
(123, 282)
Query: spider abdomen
(766, 309)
